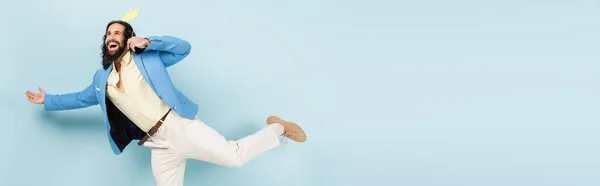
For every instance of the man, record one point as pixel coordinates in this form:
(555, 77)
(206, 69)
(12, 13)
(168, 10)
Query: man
(139, 102)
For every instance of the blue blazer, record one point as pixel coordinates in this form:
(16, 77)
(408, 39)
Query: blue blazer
(163, 52)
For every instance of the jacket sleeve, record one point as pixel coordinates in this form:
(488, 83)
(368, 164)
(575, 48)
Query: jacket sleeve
(171, 49)
(75, 100)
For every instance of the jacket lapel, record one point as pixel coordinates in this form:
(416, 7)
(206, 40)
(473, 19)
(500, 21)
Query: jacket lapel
(102, 86)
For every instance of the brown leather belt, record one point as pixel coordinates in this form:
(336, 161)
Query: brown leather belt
(154, 129)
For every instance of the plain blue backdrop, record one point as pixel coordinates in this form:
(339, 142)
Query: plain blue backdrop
(419, 93)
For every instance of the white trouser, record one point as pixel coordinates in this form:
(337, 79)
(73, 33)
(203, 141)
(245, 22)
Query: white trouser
(179, 139)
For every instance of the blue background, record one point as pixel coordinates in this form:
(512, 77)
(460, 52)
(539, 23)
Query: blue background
(420, 93)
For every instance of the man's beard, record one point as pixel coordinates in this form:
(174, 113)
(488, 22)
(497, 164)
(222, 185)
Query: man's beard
(117, 54)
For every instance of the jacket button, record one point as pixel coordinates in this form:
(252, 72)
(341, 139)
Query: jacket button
(160, 97)
(175, 108)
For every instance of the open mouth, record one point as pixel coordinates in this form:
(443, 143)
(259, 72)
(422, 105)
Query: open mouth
(112, 45)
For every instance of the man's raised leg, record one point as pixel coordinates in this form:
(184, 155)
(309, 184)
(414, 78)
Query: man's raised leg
(197, 140)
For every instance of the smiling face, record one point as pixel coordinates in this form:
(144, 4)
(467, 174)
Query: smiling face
(115, 40)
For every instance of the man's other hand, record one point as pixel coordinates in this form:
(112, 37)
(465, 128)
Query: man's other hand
(37, 98)
(134, 42)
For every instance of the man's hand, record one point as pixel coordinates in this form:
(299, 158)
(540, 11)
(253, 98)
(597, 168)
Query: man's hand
(36, 98)
(134, 42)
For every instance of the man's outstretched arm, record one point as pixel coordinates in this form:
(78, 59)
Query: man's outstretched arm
(172, 49)
(76, 100)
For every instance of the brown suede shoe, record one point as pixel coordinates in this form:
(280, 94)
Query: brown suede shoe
(290, 129)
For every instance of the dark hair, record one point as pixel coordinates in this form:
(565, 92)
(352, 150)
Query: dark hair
(128, 33)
